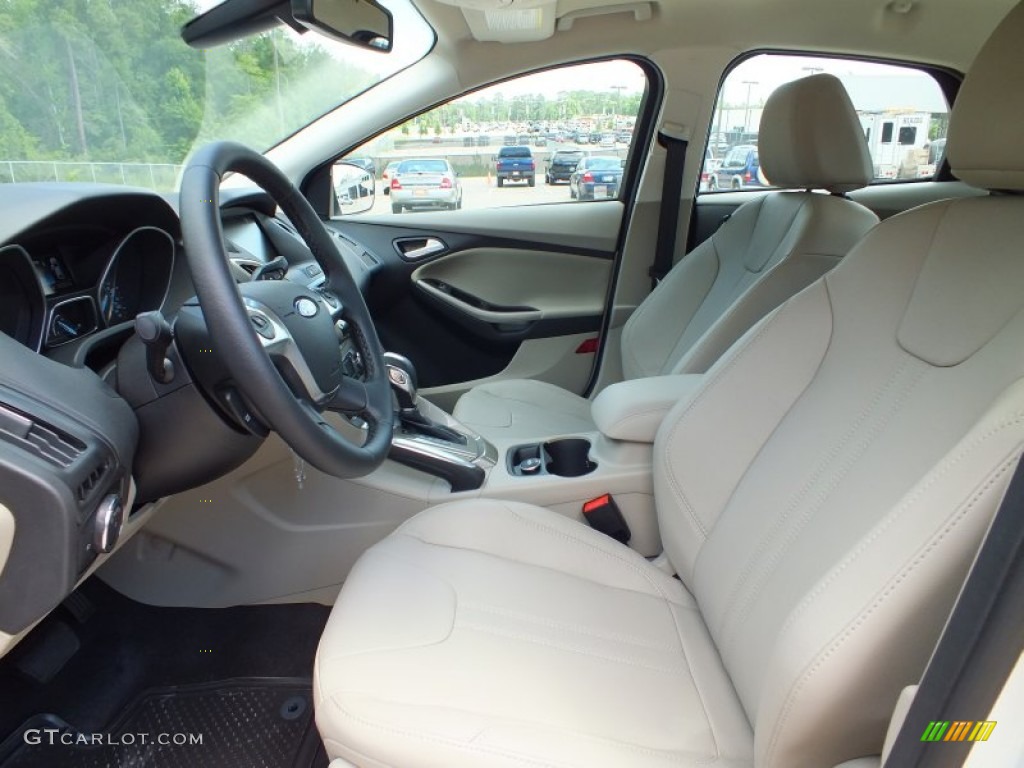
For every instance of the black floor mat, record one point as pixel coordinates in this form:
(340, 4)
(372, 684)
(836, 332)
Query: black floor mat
(256, 723)
(121, 651)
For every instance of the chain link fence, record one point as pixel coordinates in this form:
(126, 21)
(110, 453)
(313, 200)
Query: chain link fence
(162, 177)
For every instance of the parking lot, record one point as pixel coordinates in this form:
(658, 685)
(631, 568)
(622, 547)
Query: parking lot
(481, 192)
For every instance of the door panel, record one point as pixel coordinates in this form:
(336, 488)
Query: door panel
(504, 286)
(505, 293)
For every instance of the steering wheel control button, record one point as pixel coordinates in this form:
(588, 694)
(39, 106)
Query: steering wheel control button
(313, 270)
(107, 524)
(262, 325)
(306, 307)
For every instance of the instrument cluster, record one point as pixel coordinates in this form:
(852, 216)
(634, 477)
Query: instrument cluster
(67, 286)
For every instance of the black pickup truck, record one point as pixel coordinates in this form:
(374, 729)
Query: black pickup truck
(516, 164)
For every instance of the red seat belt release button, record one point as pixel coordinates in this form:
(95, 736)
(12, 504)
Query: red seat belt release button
(603, 514)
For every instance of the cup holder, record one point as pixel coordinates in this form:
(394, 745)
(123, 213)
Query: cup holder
(566, 457)
(569, 457)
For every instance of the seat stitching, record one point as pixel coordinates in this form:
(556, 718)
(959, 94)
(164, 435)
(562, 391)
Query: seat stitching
(567, 626)
(884, 524)
(526, 637)
(894, 583)
(729, 364)
(676, 755)
(532, 404)
(538, 566)
(645, 307)
(696, 688)
(739, 605)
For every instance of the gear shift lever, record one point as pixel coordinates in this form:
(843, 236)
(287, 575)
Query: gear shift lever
(402, 375)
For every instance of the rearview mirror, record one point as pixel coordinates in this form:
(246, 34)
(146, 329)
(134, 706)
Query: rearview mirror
(352, 190)
(362, 22)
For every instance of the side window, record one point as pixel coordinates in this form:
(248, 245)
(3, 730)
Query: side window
(902, 112)
(553, 136)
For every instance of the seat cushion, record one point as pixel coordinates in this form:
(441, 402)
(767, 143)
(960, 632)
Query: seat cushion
(523, 409)
(501, 634)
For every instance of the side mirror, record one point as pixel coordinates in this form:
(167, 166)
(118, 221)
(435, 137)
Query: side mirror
(352, 190)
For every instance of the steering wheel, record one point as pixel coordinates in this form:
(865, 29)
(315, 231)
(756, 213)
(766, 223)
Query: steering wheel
(280, 341)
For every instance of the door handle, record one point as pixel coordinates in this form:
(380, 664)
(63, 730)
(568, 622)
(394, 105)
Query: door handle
(417, 248)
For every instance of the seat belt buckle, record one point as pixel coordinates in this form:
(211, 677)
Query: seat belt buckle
(604, 515)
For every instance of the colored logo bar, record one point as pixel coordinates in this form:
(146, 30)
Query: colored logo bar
(958, 730)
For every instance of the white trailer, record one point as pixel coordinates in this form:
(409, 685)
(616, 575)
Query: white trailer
(896, 113)
(897, 142)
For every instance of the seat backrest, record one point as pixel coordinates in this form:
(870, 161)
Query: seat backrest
(770, 248)
(824, 492)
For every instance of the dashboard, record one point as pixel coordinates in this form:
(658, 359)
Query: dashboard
(87, 434)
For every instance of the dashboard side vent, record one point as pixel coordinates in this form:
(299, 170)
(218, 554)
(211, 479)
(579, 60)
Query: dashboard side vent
(40, 439)
(54, 446)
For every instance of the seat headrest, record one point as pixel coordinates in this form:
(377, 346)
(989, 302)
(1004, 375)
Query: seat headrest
(810, 137)
(985, 145)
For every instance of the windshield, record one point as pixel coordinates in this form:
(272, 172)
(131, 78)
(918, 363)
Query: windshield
(604, 163)
(107, 91)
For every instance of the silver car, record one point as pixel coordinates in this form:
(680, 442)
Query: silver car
(425, 183)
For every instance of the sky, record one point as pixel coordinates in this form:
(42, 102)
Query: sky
(765, 73)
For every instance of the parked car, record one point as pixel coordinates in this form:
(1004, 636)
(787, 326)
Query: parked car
(389, 172)
(425, 183)
(596, 178)
(561, 165)
(740, 168)
(516, 164)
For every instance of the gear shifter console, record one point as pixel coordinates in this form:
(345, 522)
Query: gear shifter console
(402, 375)
(429, 439)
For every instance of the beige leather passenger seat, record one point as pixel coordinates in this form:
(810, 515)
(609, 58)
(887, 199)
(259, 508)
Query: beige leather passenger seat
(768, 250)
(821, 496)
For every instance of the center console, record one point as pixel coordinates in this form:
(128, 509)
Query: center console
(563, 473)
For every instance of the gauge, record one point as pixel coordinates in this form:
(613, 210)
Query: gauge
(113, 307)
(137, 276)
(71, 320)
